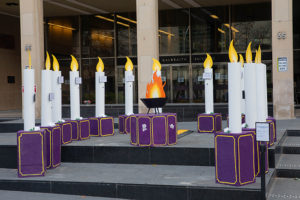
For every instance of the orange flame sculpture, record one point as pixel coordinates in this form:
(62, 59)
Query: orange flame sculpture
(155, 89)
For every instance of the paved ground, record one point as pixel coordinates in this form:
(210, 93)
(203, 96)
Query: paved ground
(16, 195)
(175, 175)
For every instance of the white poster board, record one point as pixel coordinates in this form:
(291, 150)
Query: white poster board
(262, 131)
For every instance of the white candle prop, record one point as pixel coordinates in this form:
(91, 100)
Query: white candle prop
(28, 97)
(234, 91)
(261, 89)
(129, 78)
(75, 81)
(209, 87)
(46, 112)
(56, 82)
(243, 103)
(156, 67)
(100, 80)
(250, 89)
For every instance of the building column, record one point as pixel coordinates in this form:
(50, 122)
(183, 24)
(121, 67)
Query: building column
(32, 34)
(282, 47)
(147, 44)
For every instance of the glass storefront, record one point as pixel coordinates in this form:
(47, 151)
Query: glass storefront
(185, 36)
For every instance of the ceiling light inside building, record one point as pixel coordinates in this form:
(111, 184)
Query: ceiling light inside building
(111, 20)
(214, 16)
(61, 26)
(221, 31)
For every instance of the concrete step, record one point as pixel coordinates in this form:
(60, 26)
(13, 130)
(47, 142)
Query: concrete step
(17, 195)
(293, 133)
(284, 188)
(192, 149)
(291, 145)
(288, 166)
(131, 182)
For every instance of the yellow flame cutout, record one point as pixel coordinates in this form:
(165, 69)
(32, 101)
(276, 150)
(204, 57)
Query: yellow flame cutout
(258, 60)
(55, 64)
(242, 60)
(233, 57)
(156, 65)
(100, 65)
(29, 59)
(128, 65)
(74, 64)
(208, 63)
(47, 63)
(249, 54)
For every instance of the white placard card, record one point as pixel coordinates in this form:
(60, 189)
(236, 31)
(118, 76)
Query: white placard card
(78, 80)
(129, 78)
(102, 79)
(60, 80)
(51, 96)
(207, 75)
(262, 131)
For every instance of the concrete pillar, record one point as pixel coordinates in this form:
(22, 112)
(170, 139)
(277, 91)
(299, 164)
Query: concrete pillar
(147, 44)
(32, 33)
(283, 82)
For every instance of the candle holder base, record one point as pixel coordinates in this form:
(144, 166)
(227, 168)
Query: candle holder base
(234, 158)
(209, 123)
(153, 129)
(124, 124)
(53, 146)
(101, 126)
(31, 153)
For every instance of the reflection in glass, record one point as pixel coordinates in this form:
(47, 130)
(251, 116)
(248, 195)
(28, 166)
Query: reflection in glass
(180, 84)
(252, 22)
(209, 31)
(97, 36)
(221, 82)
(165, 77)
(174, 31)
(198, 84)
(127, 42)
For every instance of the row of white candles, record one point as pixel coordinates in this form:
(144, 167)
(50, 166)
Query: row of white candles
(247, 89)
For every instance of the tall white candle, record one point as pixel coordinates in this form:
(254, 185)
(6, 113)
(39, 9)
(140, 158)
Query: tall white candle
(261, 89)
(129, 87)
(209, 87)
(74, 90)
(100, 80)
(234, 91)
(28, 99)
(242, 85)
(56, 82)
(250, 89)
(46, 112)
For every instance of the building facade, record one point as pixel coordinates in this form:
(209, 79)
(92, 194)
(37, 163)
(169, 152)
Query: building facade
(180, 34)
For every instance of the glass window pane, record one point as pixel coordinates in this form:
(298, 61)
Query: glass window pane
(126, 27)
(165, 77)
(180, 84)
(198, 84)
(97, 36)
(174, 31)
(252, 22)
(220, 82)
(210, 32)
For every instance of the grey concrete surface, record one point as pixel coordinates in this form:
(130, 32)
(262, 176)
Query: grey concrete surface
(192, 140)
(284, 188)
(289, 161)
(17, 195)
(131, 174)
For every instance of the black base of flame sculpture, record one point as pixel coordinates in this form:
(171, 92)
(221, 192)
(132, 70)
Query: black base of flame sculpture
(154, 103)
